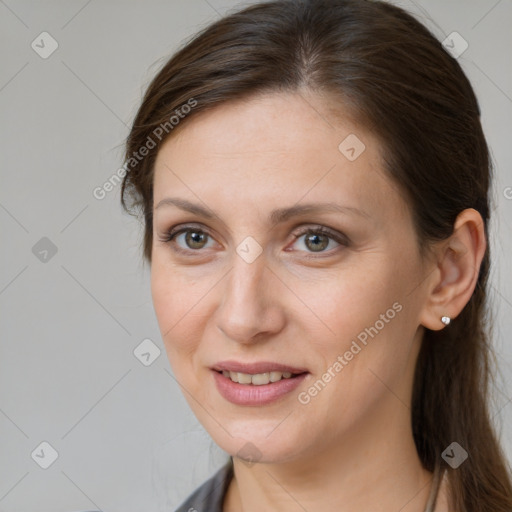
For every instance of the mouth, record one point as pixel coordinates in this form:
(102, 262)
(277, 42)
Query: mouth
(256, 383)
(257, 374)
(258, 379)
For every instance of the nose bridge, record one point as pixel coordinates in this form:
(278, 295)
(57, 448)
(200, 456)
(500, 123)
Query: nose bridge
(248, 307)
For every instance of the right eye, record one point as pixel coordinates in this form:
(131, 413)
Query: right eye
(188, 239)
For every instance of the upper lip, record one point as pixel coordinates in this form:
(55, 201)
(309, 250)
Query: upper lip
(256, 367)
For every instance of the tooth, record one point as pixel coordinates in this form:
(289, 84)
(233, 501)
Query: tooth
(257, 379)
(275, 376)
(244, 378)
(260, 379)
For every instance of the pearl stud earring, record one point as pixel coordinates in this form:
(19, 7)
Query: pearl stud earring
(446, 320)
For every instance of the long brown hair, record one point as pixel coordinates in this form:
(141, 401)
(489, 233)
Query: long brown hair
(395, 76)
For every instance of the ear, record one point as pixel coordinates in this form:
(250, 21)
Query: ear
(455, 276)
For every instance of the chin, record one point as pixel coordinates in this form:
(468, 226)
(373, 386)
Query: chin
(262, 441)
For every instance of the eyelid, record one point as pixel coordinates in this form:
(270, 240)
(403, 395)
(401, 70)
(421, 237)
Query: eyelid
(324, 230)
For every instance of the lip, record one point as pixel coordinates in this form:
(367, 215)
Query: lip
(250, 394)
(257, 367)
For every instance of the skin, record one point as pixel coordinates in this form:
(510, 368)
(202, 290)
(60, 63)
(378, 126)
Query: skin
(351, 447)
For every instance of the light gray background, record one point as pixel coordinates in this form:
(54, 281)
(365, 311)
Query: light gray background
(124, 434)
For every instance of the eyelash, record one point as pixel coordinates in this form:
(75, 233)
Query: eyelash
(317, 230)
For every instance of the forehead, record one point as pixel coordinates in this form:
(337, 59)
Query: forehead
(272, 149)
(271, 125)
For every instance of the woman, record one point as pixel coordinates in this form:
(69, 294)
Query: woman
(314, 183)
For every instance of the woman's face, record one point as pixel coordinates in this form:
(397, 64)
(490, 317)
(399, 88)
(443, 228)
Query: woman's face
(247, 285)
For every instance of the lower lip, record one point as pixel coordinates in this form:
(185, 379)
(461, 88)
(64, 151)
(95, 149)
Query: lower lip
(249, 394)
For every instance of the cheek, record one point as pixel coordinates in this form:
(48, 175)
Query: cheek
(177, 302)
(366, 312)
(345, 302)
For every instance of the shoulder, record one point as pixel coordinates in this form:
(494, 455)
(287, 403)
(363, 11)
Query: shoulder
(210, 495)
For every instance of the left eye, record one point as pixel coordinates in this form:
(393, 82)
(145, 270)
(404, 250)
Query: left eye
(318, 240)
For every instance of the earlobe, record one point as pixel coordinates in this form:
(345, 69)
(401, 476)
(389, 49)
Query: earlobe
(458, 264)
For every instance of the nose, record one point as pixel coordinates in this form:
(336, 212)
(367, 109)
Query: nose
(251, 309)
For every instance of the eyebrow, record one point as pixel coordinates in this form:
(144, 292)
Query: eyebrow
(276, 216)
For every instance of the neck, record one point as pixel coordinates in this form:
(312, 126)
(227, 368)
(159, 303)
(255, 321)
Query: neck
(375, 468)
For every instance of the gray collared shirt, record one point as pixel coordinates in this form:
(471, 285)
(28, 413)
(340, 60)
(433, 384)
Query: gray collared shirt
(210, 495)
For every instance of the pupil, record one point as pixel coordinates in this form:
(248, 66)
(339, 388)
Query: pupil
(317, 245)
(195, 237)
